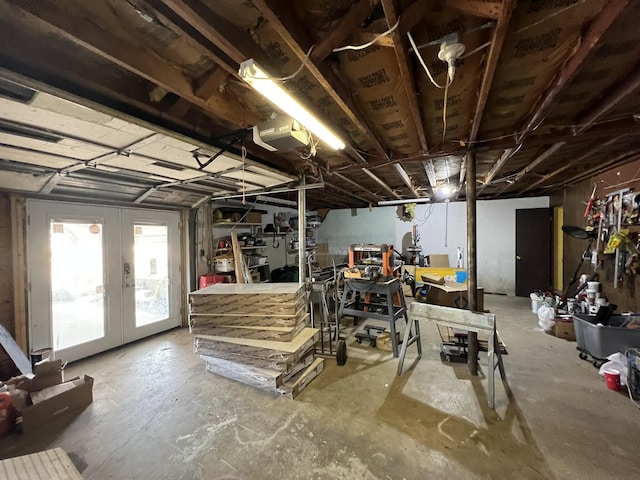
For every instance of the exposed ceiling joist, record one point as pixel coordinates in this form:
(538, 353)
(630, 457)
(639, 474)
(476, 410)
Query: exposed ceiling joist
(614, 95)
(406, 179)
(357, 13)
(126, 56)
(279, 14)
(375, 196)
(478, 8)
(381, 183)
(626, 157)
(598, 27)
(584, 122)
(591, 151)
(491, 64)
(401, 48)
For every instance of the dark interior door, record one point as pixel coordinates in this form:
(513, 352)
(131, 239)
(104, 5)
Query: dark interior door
(533, 250)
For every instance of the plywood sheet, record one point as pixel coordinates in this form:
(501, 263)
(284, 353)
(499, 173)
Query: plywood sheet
(248, 306)
(298, 383)
(291, 289)
(287, 319)
(276, 334)
(307, 334)
(47, 465)
(280, 363)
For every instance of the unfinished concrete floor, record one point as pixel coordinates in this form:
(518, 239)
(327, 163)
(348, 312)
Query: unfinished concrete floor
(157, 414)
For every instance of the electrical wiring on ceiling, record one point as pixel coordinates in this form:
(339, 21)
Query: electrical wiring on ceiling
(368, 44)
(293, 75)
(339, 49)
(421, 60)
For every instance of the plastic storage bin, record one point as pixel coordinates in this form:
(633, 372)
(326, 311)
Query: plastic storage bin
(600, 341)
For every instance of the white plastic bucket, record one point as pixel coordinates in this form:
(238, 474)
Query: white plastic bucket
(536, 302)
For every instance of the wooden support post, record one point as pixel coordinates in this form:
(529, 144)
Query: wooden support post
(472, 273)
(18, 226)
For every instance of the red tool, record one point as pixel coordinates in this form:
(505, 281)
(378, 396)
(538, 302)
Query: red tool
(590, 202)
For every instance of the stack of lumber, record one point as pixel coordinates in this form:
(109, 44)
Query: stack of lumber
(256, 334)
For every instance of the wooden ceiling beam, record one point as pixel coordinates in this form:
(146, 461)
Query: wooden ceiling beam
(48, 18)
(347, 192)
(591, 150)
(401, 48)
(478, 8)
(597, 28)
(358, 13)
(209, 86)
(232, 40)
(381, 183)
(164, 15)
(373, 195)
(491, 65)
(585, 121)
(615, 94)
(404, 176)
(281, 18)
(621, 159)
(506, 155)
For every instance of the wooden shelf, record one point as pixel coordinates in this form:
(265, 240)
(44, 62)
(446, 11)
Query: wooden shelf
(235, 225)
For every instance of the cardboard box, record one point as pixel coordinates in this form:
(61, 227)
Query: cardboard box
(453, 294)
(438, 260)
(383, 341)
(253, 217)
(564, 329)
(55, 405)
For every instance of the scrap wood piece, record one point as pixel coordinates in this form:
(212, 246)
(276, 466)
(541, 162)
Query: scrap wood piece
(15, 352)
(276, 334)
(299, 382)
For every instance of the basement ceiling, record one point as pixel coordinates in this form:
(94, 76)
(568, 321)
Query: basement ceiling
(544, 95)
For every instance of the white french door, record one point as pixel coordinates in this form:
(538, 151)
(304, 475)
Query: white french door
(100, 276)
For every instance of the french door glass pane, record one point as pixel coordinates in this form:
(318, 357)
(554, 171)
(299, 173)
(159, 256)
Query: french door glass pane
(77, 283)
(151, 253)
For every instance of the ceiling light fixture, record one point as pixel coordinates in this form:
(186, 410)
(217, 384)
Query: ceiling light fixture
(385, 203)
(255, 76)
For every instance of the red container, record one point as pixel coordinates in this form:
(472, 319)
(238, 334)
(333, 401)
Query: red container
(612, 377)
(210, 279)
(5, 412)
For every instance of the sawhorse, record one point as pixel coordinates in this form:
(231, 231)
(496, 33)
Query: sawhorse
(463, 320)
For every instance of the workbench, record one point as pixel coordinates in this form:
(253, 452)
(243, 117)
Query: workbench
(357, 301)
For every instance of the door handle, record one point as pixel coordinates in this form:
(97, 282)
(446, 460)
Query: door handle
(518, 257)
(129, 285)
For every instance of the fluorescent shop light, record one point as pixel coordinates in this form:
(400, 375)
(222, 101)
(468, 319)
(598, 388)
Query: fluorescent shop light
(255, 76)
